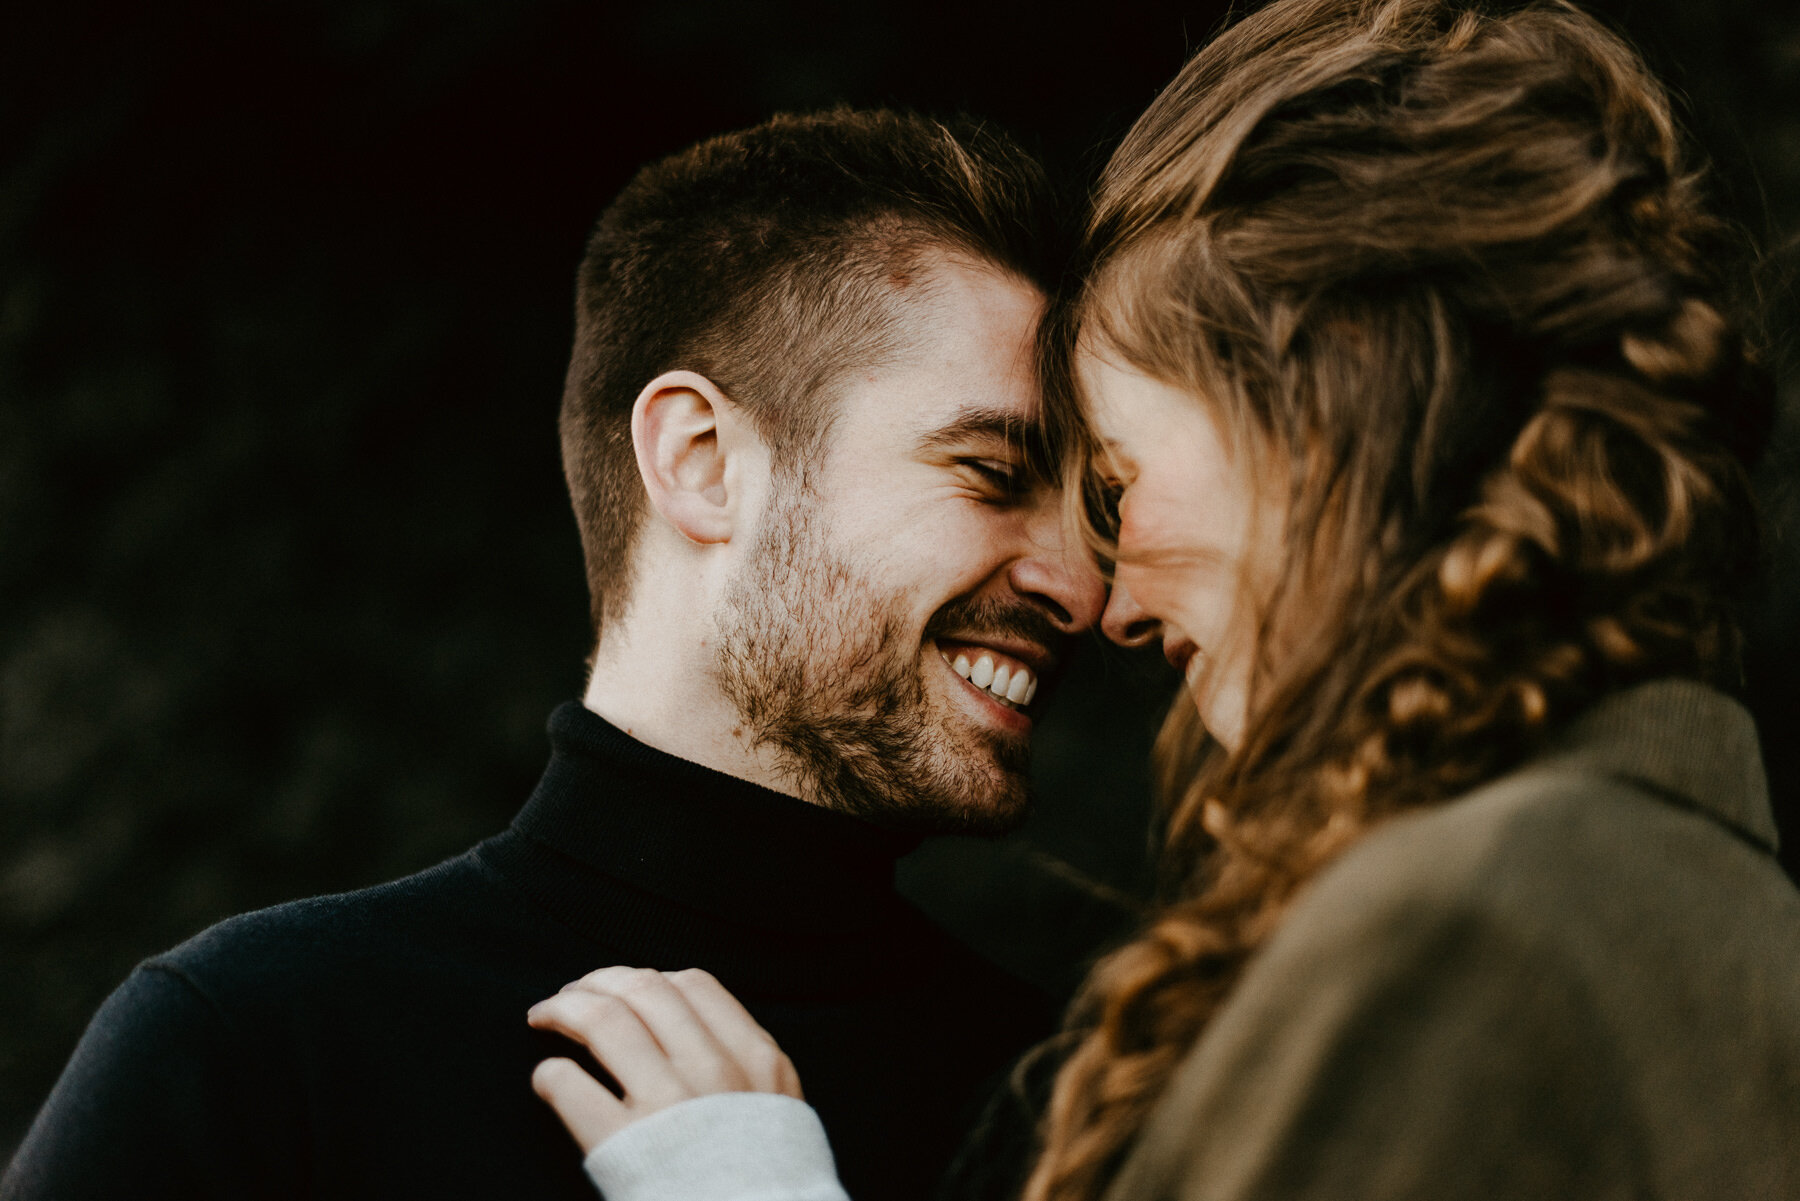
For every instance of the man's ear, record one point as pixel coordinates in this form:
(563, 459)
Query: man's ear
(676, 424)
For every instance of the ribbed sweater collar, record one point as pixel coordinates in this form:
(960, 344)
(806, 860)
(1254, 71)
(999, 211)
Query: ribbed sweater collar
(1685, 741)
(668, 860)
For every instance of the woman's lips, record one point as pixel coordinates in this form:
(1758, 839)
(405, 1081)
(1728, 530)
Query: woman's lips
(1180, 654)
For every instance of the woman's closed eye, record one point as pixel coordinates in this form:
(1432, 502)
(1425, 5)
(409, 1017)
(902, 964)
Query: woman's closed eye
(1104, 495)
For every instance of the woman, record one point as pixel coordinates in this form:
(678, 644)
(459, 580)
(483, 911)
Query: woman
(1403, 391)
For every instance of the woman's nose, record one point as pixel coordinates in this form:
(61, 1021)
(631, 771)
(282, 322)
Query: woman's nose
(1125, 621)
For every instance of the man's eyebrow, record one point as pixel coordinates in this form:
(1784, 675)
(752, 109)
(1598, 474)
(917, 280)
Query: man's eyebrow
(1009, 426)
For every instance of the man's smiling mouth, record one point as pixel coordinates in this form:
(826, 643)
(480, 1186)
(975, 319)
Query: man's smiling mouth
(1003, 678)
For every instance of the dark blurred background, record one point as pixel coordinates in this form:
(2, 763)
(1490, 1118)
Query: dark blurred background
(287, 580)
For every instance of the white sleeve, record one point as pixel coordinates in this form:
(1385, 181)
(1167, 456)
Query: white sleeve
(721, 1147)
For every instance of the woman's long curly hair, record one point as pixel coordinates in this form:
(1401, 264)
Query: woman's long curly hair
(1450, 269)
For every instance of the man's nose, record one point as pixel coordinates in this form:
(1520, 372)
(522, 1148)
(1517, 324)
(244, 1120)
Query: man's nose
(1062, 581)
(1125, 621)
(1071, 593)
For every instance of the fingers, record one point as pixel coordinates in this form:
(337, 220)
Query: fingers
(703, 1063)
(723, 1013)
(759, 1057)
(612, 1030)
(664, 1037)
(589, 1112)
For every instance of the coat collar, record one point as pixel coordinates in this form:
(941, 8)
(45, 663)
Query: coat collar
(1688, 743)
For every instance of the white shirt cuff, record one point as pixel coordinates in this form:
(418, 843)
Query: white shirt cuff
(721, 1147)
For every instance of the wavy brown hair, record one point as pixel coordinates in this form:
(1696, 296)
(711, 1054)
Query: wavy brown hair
(1452, 270)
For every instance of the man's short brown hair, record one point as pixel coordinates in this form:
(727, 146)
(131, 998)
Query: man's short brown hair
(772, 261)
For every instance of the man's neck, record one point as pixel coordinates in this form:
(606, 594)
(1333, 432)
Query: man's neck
(676, 707)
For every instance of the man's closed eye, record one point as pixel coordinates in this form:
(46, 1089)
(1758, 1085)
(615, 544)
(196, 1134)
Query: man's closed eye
(1000, 480)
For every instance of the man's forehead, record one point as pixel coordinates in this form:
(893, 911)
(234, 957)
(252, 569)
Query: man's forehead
(961, 364)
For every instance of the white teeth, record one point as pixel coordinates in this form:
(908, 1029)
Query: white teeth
(983, 675)
(1003, 681)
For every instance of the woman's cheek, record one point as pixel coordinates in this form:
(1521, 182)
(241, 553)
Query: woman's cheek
(1157, 552)
(1144, 528)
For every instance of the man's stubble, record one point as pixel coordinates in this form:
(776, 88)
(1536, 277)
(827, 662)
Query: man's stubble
(821, 669)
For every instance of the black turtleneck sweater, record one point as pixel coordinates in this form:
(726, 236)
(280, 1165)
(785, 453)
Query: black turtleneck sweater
(374, 1044)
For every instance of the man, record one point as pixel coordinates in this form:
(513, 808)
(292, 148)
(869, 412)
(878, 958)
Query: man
(828, 579)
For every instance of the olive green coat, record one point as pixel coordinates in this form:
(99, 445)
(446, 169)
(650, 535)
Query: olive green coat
(1581, 980)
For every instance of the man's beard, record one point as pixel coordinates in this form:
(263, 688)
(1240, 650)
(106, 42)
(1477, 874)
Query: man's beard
(821, 669)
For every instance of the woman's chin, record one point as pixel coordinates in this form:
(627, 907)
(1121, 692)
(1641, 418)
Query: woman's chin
(1224, 711)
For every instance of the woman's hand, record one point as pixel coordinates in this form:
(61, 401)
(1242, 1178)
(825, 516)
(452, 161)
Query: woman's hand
(665, 1036)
